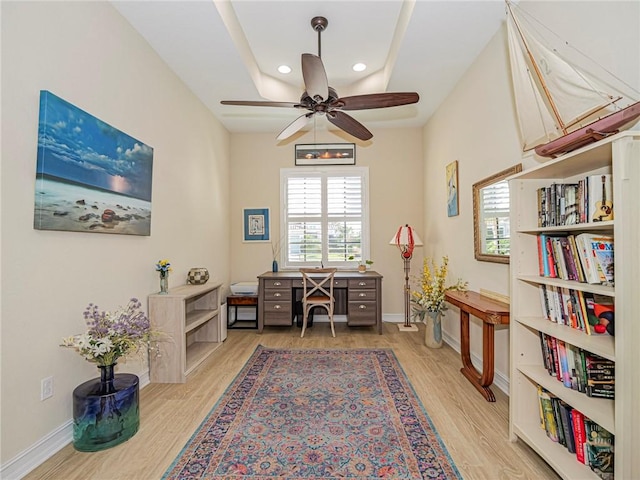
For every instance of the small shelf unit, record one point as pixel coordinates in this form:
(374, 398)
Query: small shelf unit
(188, 316)
(620, 156)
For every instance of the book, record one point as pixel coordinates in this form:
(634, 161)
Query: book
(587, 259)
(584, 313)
(579, 434)
(599, 449)
(576, 258)
(567, 425)
(565, 374)
(569, 262)
(580, 367)
(550, 258)
(600, 191)
(602, 248)
(555, 404)
(544, 301)
(550, 424)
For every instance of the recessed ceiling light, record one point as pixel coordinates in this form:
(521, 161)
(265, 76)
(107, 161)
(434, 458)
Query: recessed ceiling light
(359, 67)
(284, 69)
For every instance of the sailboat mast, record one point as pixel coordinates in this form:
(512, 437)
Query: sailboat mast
(537, 72)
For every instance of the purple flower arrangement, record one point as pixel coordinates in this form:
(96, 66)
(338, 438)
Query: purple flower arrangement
(111, 335)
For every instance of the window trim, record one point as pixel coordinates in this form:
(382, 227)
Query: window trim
(324, 172)
(478, 212)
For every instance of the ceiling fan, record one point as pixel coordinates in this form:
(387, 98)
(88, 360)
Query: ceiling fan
(319, 98)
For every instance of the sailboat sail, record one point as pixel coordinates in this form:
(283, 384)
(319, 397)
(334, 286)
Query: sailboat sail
(553, 97)
(536, 123)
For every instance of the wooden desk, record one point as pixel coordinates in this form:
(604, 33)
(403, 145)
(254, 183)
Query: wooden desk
(492, 313)
(358, 296)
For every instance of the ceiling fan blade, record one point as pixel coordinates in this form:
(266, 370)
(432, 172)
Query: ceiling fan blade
(315, 77)
(294, 126)
(376, 100)
(250, 103)
(349, 125)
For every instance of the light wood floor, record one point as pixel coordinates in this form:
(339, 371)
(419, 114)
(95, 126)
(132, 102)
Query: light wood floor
(474, 431)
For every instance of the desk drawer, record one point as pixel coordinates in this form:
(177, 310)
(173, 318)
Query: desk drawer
(277, 294)
(277, 313)
(362, 295)
(360, 283)
(276, 283)
(362, 313)
(337, 283)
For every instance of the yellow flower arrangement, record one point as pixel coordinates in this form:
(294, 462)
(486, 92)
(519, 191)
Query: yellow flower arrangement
(430, 297)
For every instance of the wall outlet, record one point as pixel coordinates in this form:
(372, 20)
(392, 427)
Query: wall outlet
(46, 388)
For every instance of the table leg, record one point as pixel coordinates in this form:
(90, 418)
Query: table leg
(481, 383)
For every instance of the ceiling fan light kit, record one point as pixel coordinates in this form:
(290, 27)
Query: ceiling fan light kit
(321, 99)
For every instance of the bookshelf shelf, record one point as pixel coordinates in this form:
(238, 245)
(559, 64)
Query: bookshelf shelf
(619, 156)
(602, 345)
(557, 282)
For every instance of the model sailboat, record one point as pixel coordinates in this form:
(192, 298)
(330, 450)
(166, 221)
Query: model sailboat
(561, 107)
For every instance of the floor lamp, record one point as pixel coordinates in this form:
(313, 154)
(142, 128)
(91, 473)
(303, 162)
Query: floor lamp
(406, 239)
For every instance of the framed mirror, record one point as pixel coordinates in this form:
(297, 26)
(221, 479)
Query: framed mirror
(491, 229)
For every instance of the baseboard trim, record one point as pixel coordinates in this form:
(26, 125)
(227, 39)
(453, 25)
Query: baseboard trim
(46, 447)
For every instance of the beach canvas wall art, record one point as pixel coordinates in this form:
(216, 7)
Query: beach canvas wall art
(90, 176)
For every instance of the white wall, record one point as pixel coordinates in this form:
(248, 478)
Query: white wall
(394, 158)
(86, 53)
(476, 125)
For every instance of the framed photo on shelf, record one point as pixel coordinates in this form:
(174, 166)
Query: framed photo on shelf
(256, 225)
(452, 189)
(326, 154)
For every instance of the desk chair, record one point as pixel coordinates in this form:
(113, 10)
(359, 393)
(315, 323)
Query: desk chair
(317, 292)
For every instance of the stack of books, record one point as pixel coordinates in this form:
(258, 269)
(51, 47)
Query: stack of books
(592, 444)
(589, 200)
(577, 368)
(586, 258)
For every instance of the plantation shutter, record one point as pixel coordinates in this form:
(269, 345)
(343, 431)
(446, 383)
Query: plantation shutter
(304, 219)
(494, 221)
(324, 217)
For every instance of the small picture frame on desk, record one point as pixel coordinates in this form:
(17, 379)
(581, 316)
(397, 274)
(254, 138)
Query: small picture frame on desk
(256, 225)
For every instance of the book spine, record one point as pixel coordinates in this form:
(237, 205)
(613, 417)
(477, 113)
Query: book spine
(565, 414)
(577, 419)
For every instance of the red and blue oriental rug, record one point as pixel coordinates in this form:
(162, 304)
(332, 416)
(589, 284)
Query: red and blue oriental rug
(329, 414)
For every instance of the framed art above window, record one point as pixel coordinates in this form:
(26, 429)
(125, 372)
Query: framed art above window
(326, 154)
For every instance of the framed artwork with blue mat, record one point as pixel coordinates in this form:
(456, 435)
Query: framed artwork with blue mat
(255, 225)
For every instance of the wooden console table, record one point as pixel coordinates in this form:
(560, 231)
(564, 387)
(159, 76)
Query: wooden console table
(492, 313)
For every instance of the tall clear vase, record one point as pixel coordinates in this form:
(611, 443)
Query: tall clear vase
(164, 282)
(433, 330)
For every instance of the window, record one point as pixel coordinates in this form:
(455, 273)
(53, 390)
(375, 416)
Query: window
(495, 219)
(325, 216)
(491, 229)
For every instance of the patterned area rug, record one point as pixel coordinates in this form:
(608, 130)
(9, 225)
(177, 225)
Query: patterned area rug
(299, 414)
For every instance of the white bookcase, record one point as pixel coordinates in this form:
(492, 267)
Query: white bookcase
(189, 318)
(619, 155)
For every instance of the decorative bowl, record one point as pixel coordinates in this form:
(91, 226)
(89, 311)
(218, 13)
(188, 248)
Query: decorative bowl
(198, 276)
